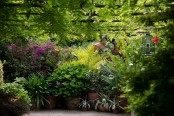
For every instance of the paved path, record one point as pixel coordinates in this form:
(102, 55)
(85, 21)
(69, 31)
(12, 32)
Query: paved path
(71, 113)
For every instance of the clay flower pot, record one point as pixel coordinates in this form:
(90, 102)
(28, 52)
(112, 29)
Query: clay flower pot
(102, 108)
(92, 97)
(116, 110)
(51, 102)
(72, 103)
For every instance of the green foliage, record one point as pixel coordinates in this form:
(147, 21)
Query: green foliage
(6, 22)
(66, 55)
(114, 74)
(150, 82)
(14, 99)
(70, 20)
(70, 81)
(53, 86)
(153, 85)
(96, 84)
(37, 88)
(53, 17)
(81, 56)
(104, 100)
(115, 103)
(87, 57)
(16, 90)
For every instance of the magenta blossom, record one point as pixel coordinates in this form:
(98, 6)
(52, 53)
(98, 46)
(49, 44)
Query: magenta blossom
(32, 63)
(12, 46)
(40, 50)
(36, 56)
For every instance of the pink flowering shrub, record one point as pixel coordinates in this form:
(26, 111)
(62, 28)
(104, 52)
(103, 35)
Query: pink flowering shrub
(24, 59)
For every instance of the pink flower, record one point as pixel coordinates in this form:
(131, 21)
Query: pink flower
(9, 47)
(12, 46)
(155, 40)
(40, 50)
(32, 63)
(36, 56)
(31, 47)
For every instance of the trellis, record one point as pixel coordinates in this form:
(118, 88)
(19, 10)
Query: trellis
(36, 8)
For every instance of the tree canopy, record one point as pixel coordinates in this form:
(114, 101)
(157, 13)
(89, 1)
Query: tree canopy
(74, 20)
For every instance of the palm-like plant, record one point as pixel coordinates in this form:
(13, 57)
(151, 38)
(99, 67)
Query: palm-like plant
(114, 73)
(114, 77)
(37, 88)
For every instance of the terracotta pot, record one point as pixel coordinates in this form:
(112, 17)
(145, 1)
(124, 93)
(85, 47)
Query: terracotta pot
(84, 109)
(92, 97)
(72, 103)
(51, 102)
(116, 111)
(123, 102)
(101, 108)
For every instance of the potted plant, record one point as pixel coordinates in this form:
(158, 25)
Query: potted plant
(72, 102)
(96, 86)
(37, 89)
(114, 106)
(53, 92)
(51, 102)
(115, 82)
(14, 100)
(92, 98)
(102, 105)
(71, 82)
(84, 104)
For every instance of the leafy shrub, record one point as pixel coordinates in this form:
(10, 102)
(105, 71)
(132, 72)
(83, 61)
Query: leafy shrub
(24, 59)
(14, 100)
(87, 57)
(96, 83)
(151, 86)
(70, 81)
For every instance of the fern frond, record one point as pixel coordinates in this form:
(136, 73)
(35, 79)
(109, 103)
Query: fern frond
(87, 57)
